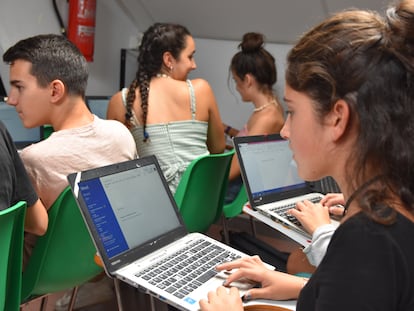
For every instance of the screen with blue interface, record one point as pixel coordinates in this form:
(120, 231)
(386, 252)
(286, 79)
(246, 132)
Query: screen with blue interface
(128, 208)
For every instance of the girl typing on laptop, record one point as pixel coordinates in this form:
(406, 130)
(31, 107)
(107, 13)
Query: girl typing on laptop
(349, 83)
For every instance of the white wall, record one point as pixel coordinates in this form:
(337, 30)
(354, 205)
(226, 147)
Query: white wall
(213, 60)
(22, 18)
(115, 30)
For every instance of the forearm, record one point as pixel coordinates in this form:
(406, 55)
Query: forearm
(37, 220)
(230, 131)
(289, 288)
(320, 241)
(278, 286)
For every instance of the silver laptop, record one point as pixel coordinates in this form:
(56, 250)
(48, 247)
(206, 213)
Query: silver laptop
(140, 235)
(271, 179)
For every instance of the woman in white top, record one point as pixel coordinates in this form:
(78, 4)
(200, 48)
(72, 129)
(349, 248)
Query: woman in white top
(172, 117)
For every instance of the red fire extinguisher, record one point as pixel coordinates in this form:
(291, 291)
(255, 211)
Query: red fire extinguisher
(81, 26)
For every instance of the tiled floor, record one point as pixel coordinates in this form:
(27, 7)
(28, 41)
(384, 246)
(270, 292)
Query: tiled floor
(140, 302)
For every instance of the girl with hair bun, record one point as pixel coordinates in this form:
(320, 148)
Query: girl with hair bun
(254, 72)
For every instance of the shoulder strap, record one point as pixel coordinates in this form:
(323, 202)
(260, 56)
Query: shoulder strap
(192, 98)
(124, 93)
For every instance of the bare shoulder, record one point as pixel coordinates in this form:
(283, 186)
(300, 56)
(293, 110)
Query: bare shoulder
(116, 109)
(116, 98)
(203, 92)
(201, 85)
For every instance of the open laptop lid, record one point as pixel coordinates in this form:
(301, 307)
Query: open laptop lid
(98, 105)
(21, 136)
(268, 169)
(128, 209)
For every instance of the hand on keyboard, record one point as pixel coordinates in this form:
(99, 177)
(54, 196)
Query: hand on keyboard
(311, 215)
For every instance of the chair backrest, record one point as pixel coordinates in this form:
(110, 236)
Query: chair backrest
(64, 257)
(235, 207)
(11, 255)
(200, 193)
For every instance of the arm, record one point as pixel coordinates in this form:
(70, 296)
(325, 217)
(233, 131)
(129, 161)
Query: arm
(205, 96)
(315, 219)
(274, 284)
(335, 203)
(37, 220)
(320, 241)
(230, 131)
(116, 109)
(234, 168)
(270, 123)
(310, 215)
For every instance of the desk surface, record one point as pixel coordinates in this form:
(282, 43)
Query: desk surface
(288, 304)
(294, 235)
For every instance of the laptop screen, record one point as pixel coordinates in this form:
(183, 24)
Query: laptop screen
(127, 207)
(267, 165)
(98, 105)
(21, 136)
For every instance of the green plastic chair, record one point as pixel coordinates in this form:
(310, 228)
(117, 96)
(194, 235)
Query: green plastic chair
(63, 258)
(11, 255)
(200, 193)
(233, 209)
(47, 131)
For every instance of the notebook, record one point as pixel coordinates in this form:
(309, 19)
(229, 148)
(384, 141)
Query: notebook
(271, 179)
(142, 240)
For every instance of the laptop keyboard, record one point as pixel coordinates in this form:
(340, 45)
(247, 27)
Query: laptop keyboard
(186, 270)
(282, 210)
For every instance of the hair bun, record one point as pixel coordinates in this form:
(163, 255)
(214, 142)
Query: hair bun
(252, 42)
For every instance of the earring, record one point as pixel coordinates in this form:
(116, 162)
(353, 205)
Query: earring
(171, 68)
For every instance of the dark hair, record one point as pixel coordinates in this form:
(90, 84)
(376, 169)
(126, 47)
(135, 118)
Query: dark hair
(254, 59)
(52, 57)
(157, 39)
(366, 60)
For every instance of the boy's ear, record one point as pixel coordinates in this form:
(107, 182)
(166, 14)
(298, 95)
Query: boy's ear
(57, 89)
(338, 119)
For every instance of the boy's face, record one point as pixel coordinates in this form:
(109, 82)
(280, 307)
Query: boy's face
(30, 100)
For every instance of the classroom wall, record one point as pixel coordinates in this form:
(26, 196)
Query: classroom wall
(213, 59)
(115, 30)
(22, 18)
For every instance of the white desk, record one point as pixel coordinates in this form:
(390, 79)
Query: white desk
(294, 235)
(288, 304)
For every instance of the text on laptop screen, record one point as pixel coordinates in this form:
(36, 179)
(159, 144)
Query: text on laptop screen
(117, 202)
(21, 136)
(270, 167)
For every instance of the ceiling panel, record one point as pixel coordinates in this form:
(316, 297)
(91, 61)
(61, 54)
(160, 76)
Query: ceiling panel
(281, 21)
